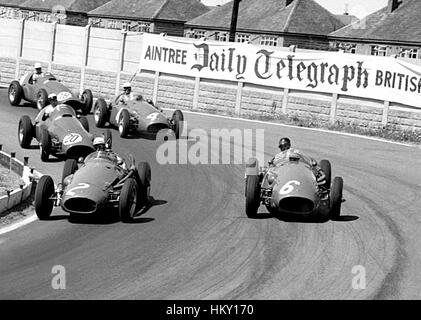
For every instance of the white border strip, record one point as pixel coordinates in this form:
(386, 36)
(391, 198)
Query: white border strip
(18, 224)
(297, 127)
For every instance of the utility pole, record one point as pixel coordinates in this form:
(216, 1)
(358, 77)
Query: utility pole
(234, 18)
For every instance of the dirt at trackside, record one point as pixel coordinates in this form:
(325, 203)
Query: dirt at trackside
(9, 180)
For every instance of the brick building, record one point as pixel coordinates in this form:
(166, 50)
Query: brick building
(303, 23)
(155, 16)
(72, 12)
(392, 30)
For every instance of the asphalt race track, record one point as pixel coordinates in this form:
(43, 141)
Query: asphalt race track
(196, 242)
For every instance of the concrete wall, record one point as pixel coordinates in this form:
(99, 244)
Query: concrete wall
(102, 60)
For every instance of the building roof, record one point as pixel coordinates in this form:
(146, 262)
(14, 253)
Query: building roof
(401, 25)
(70, 5)
(176, 10)
(300, 16)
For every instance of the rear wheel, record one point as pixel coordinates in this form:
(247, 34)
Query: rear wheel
(128, 200)
(25, 131)
(88, 100)
(84, 122)
(144, 170)
(101, 113)
(43, 194)
(42, 99)
(15, 93)
(326, 168)
(178, 119)
(44, 144)
(336, 197)
(70, 167)
(252, 195)
(124, 123)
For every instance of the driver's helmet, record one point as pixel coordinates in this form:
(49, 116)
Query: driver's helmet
(284, 144)
(37, 66)
(99, 144)
(127, 85)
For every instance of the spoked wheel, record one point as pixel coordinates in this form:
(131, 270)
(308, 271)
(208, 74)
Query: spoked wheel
(123, 123)
(178, 119)
(336, 197)
(252, 195)
(25, 132)
(101, 113)
(128, 200)
(42, 99)
(43, 194)
(15, 93)
(87, 101)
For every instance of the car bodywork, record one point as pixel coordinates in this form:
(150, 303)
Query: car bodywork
(67, 137)
(37, 92)
(291, 188)
(142, 117)
(96, 185)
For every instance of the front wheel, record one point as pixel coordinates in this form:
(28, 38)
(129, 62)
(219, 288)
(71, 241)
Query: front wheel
(326, 168)
(15, 93)
(88, 100)
(128, 200)
(101, 113)
(178, 119)
(44, 142)
(252, 195)
(145, 174)
(336, 197)
(124, 123)
(25, 132)
(43, 197)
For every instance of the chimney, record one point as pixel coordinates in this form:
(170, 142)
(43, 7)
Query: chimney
(393, 5)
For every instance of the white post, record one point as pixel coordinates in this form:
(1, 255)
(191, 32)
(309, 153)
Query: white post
(121, 59)
(385, 116)
(52, 46)
(155, 87)
(333, 107)
(196, 93)
(239, 98)
(85, 52)
(21, 30)
(285, 101)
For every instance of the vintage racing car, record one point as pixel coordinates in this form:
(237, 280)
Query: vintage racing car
(292, 188)
(63, 133)
(102, 181)
(137, 116)
(37, 93)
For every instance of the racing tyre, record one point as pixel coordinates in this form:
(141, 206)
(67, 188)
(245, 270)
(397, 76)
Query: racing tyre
(44, 144)
(128, 200)
(336, 197)
(88, 100)
(326, 167)
(15, 93)
(70, 167)
(25, 132)
(144, 170)
(178, 119)
(108, 137)
(252, 195)
(42, 99)
(124, 123)
(101, 113)
(84, 122)
(43, 193)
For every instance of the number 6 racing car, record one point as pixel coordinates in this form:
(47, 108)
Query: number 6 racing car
(137, 116)
(62, 134)
(104, 181)
(292, 188)
(37, 93)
